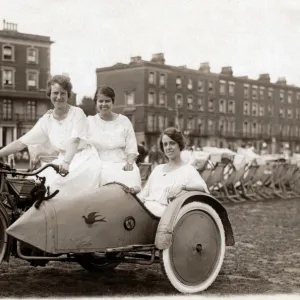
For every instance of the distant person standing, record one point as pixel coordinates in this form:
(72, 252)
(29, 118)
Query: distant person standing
(142, 153)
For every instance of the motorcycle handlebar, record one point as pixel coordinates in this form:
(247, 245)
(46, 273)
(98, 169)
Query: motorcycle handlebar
(7, 170)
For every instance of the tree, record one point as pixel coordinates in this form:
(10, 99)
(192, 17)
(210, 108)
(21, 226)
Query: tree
(88, 106)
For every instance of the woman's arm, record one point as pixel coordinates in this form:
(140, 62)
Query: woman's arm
(11, 148)
(71, 150)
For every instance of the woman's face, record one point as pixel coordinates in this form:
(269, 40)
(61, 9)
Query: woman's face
(58, 96)
(171, 148)
(104, 104)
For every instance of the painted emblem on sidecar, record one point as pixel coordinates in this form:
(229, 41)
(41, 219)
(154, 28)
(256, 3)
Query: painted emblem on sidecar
(129, 223)
(92, 218)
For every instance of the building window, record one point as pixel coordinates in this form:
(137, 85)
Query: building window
(178, 82)
(200, 104)
(222, 87)
(151, 78)
(246, 109)
(181, 122)
(254, 128)
(270, 110)
(289, 113)
(254, 92)
(290, 97)
(231, 88)
(297, 113)
(254, 109)
(222, 106)
(178, 99)
(211, 126)
(281, 113)
(270, 94)
(222, 126)
(166, 122)
(8, 77)
(191, 124)
(281, 96)
(261, 93)
(162, 99)
(151, 98)
(211, 87)
(231, 126)
(261, 110)
(31, 110)
(129, 98)
(32, 55)
(190, 84)
(246, 127)
(151, 123)
(190, 102)
(7, 110)
(298, 97)
(211, 105)
(200, 126)
(231, 107)
(200, 86)
(32, 80)
(161, 123)
(162, 80)
(8, 53)
(246, 91)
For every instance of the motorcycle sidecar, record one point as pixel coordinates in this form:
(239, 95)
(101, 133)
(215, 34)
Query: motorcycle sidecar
(110, 223)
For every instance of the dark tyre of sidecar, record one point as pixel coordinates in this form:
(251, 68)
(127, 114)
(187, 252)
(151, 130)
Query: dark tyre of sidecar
(3, 236)
(195, 257)
(96, 265)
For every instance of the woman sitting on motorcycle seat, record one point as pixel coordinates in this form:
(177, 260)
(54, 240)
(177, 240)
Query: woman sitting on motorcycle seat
(167, 180)
(113, 136)
(63, 129)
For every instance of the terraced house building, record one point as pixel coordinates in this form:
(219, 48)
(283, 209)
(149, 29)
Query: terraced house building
(24, 70)
(215, 109)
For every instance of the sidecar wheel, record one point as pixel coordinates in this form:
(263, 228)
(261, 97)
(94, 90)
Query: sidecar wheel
(96, 265)
(195, 257)
(3, 237)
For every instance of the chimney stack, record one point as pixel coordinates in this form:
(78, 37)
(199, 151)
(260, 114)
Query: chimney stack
(264, 77)
(158, 58)
(135, 59)
(281, 80)
(204, 67)
(227, 71)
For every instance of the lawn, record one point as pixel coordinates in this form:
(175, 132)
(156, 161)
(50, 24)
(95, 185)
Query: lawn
(264, 260)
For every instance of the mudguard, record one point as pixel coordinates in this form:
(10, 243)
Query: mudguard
(163, 238)
(90, 221)
(6, 219)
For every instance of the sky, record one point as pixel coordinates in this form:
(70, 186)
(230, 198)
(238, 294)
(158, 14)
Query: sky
(252, 36)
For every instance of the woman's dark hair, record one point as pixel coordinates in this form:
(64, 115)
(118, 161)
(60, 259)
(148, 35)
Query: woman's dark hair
(106, 91)
(63, 81)
(175, 135)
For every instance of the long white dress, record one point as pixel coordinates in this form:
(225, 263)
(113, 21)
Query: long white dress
(84, 169)
(114, 140)
(156, 191)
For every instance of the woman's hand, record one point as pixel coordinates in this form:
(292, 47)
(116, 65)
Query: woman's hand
(64, 168)
(128, 167)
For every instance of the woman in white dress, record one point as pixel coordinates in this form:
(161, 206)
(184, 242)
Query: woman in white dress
(113, 136)
(166, 181)
(63, 129)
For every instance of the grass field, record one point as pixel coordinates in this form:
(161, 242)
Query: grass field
(265, 260)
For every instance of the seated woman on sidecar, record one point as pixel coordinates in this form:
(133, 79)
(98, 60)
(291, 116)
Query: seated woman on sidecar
(168, 180)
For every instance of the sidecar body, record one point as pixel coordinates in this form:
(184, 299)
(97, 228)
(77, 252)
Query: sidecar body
(190, 237)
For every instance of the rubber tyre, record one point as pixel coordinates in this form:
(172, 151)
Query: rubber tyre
(185, 272)
(96, 266)
(3, 237)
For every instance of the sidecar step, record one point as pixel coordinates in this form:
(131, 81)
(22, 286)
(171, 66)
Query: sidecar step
(132, 248)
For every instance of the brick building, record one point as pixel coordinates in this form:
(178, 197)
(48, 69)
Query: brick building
(24, 71)
(216, 109)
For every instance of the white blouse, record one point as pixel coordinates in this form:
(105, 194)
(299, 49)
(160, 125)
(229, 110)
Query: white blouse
(160, 183)
(58, 133)
(114, 140)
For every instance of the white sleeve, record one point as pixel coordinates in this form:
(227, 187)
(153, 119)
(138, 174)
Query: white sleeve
(193, 178)
(37, 134)
(144, 193)
(130, 139)
(79, 125)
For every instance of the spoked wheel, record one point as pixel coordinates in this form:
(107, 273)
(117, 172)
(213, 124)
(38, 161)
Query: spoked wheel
(196, 254)
(91, 264)
(3, 237)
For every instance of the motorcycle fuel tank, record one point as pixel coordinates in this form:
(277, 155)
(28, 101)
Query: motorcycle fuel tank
(87, 222)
